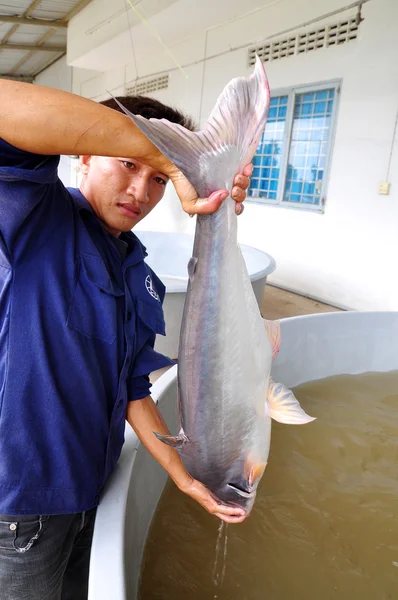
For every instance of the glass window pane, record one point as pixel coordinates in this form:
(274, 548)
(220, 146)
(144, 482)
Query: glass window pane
(268, 155)
(266, 173)
(256, 172)
(294, 197)
(307, 108)
(254, 183)
(310, 137)
(274, 185)
(320, 108)
(282, 111)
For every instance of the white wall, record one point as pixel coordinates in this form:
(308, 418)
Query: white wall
(347, 255)
(59, 75)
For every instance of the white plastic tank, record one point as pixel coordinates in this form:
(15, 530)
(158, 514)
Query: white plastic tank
(168, 256)
(313, 347)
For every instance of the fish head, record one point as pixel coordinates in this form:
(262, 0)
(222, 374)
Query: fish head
(240, 487)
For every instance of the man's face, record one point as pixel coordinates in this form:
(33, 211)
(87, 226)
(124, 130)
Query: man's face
(121, 191)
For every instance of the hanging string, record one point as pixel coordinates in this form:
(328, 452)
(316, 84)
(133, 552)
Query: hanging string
(132, 46)
(156, 35)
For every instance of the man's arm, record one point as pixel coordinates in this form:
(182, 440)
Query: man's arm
(145, 418)
(46, 121)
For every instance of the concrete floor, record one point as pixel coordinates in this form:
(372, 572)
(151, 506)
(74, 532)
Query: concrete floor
(279, 304)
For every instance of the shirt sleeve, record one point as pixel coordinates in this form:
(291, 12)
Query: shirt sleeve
(147, 361)
(32, 200)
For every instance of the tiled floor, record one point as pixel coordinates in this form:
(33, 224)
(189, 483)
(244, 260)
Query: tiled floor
(279, 304)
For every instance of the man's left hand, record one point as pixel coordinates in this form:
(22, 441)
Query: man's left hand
(241, 183)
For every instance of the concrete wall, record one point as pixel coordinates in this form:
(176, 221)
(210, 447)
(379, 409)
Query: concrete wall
(59, 76)
(347, 255)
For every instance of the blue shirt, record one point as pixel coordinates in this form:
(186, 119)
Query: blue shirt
(77, 330)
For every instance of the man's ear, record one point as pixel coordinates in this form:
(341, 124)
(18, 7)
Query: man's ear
(84, 163)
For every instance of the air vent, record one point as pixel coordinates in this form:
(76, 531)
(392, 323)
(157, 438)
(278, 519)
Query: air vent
(149, 86)
(314, 39)
(342, 32)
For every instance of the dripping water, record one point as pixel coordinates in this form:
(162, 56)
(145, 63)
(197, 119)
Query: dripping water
(220, 560)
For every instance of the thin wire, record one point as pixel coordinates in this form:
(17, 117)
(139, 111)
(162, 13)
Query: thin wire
(392, 147)
(258, 41)
(203, 78)
(132, 46)
(154, 32)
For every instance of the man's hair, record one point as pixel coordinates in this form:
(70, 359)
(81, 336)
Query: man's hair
(151, 108)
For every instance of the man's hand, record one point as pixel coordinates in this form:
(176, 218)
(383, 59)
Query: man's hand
(205, 206)
(203, 496)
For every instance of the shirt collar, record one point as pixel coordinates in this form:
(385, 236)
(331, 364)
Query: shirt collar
(137, 249)
(80, 200)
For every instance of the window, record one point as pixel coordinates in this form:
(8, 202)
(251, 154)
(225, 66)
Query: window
(292, 160)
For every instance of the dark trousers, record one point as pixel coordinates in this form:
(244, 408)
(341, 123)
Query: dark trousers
(45, 557)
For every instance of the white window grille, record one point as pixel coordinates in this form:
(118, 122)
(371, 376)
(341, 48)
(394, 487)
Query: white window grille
(292, 161)
(313, 39)
(148, 86)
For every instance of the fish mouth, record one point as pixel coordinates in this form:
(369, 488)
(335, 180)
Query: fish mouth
(240, 491)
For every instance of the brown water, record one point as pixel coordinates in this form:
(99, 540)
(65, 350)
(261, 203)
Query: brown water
(325, 522)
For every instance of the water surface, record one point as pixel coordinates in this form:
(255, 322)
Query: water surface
(325, 521)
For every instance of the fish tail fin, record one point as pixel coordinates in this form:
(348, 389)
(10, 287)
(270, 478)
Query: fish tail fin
(209, 158)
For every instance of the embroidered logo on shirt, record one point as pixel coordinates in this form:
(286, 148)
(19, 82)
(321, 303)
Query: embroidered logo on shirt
(150, 289)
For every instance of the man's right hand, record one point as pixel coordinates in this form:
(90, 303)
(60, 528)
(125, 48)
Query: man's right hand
(205, 498)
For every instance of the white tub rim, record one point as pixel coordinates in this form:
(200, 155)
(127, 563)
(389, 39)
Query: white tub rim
(178, 283)
(105, 572)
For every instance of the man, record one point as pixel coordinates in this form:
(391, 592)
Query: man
(77, 326)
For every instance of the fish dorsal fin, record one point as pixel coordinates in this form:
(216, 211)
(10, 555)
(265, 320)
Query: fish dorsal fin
(228, 141)
(284, 407)
(175, 441)
(273, 329)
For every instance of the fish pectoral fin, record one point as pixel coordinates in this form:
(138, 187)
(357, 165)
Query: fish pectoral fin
(256, 472)
(284, 407)
(273, 329)
(192, 267)
(175, 441)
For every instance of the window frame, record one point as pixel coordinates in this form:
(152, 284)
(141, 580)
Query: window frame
(291, 93)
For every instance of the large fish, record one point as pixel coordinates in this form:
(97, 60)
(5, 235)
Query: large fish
(226, 396)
